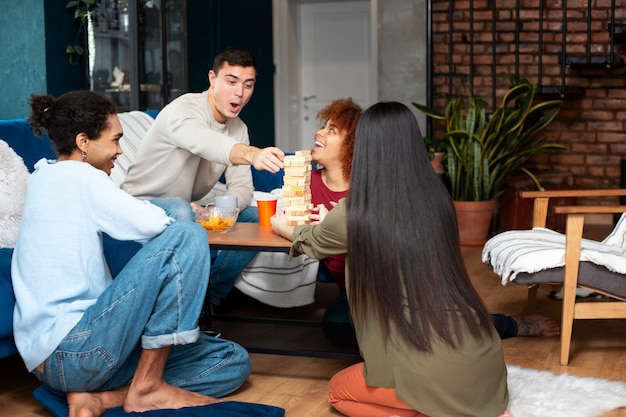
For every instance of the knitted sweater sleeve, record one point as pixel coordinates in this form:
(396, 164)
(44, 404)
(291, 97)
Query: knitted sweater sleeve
(123, 217)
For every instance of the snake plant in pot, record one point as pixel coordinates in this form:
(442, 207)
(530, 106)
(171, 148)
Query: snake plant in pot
(482, 150)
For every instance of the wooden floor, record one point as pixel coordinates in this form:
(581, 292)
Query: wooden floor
(299, 384)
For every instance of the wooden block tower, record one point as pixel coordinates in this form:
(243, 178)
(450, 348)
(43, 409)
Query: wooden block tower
(296, 189)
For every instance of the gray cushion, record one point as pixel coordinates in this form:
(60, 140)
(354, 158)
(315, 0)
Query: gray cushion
(589, 275)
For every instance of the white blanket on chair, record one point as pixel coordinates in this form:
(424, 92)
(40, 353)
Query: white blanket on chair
(510, 253)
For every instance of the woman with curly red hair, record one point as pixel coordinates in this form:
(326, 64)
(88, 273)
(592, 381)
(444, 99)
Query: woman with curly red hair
(332, 154)
(333, 150)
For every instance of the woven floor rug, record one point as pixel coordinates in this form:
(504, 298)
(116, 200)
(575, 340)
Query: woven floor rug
(535, 393)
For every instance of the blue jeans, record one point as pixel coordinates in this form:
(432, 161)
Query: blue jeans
(175, 207)
(119, 252)
(229, 264)
(152, 303)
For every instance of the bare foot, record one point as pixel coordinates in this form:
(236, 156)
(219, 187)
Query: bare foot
(506, 413)
(94, 404)
(163, 396)
(536, 325)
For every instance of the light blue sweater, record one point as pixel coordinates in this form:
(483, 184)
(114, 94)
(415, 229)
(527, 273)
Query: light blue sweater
(58, 266)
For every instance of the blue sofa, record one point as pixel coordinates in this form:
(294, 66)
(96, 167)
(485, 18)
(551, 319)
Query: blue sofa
(18, 135)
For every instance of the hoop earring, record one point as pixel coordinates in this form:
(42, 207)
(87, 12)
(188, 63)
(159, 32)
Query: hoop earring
(84, 155)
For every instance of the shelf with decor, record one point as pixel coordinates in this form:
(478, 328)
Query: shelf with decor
(136, 54)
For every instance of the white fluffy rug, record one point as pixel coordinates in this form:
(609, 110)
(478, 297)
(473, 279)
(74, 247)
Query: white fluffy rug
(535, 393)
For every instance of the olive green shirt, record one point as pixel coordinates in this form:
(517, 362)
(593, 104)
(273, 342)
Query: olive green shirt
(466, 381)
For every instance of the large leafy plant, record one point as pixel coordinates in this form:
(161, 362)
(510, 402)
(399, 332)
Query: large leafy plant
(483, 151)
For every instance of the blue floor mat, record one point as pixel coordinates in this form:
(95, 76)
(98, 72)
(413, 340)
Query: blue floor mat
(55, 402)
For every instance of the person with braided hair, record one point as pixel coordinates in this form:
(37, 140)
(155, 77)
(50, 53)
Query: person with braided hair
(133, 341)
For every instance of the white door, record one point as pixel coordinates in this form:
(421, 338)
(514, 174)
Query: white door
(334, 58)
(324, 50)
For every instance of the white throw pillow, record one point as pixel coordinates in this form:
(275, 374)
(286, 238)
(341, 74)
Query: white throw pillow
(135, 124)
(13, 178)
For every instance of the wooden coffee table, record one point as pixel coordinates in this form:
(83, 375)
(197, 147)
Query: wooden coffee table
(271, 335)
(249, 237)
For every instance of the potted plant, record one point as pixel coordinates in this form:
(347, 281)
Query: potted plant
(436, 152)
(82, 10)
(483, 151)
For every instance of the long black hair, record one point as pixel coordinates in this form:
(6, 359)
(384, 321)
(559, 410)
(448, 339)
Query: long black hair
(72, 113)
(403, 244)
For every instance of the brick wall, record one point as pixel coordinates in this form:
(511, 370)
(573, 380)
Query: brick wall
(591, 124)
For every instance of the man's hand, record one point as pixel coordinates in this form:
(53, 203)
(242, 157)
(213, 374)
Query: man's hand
(268, 159)
(196, 207)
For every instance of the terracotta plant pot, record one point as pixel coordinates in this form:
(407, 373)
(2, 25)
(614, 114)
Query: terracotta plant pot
(474, 218)
(437, 163)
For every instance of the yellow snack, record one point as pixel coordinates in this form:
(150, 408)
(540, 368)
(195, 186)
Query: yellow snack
(215, 223)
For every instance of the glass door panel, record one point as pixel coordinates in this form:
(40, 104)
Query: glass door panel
(109, 56)
(150, 36)
(176, 47)
(137, 52)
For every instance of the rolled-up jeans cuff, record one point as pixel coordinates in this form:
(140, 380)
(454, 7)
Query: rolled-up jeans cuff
(173, 339)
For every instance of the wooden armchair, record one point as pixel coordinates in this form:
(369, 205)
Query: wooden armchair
(575, 273)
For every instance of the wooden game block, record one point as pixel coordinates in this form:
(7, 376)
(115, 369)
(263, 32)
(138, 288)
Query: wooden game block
(297, 161)
(304, 210)
(298, 171)
(296, 201)
(297, 181)
(297, 187)
(287, 193)
(298, 222)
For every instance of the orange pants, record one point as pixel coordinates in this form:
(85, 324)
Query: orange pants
(349, 394)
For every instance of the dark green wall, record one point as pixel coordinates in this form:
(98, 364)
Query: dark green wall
(217, 24)
(212, 26)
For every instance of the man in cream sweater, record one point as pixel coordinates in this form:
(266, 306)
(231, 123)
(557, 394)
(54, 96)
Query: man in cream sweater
(197, 138)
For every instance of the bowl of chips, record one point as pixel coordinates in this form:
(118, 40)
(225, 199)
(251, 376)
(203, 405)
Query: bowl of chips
(216, 219)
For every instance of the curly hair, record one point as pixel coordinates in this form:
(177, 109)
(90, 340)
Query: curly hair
(72, 113)
(345, 114)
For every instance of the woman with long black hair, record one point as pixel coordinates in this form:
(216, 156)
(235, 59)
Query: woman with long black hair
(428, 342)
